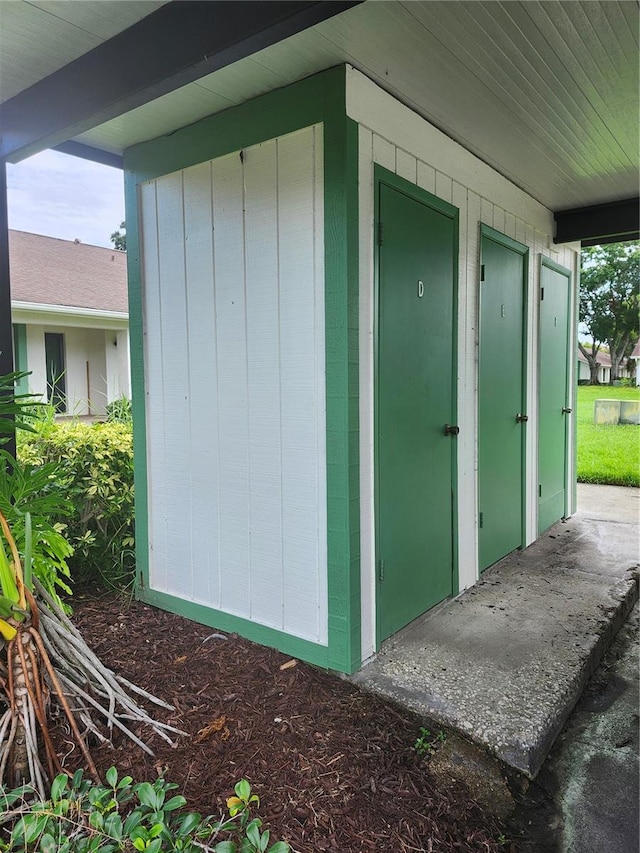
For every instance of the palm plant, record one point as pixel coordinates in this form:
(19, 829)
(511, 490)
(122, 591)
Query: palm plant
(44, 660)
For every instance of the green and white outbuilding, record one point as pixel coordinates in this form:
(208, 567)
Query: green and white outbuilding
(352, 336)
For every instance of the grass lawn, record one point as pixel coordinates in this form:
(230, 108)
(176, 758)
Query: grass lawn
(607, 454)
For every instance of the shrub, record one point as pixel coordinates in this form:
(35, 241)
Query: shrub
(83, 816)
(95, 472)
(119, 411)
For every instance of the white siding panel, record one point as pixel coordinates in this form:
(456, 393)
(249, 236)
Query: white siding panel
(443, 187)
(233, 402)
(154, 390)
(175, 377)
(263, 354)
(233, 292)
(366, 350)
(203, 411)
(296, 230)
(406, 165)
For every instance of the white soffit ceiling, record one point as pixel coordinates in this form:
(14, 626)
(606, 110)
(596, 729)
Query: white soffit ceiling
(545, 92)
(37, 37)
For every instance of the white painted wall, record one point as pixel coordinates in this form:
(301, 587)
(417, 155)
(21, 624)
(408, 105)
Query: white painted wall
(108, 376)
(398, 139)
(233, 294)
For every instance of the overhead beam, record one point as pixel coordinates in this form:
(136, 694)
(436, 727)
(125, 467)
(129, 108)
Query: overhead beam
(182, 41)
(600, 223)
(89, 152)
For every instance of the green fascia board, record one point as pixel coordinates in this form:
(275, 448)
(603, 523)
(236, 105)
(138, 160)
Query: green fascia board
(318, 99)
(384, 176)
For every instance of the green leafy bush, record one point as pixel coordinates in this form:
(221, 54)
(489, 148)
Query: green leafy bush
(95, 472)
(119, 411)
(86, 817)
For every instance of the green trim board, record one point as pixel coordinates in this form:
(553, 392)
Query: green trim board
(385, 179)
(303, 649)
(501, 529)
(20, 362)
(552, 399)
(318, 99)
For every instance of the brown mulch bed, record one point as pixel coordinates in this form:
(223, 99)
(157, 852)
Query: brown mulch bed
(334, 767)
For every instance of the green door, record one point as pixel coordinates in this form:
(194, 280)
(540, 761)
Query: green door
(415, 400)
(554, 392)
(501, 406)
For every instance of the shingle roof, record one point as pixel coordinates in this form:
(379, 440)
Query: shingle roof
(602, 358)
(48, 271)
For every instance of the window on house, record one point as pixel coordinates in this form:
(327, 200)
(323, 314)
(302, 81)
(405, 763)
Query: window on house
(56, 383)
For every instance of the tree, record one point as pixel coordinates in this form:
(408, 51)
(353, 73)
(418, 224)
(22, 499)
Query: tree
(119, 238)
(609, 302)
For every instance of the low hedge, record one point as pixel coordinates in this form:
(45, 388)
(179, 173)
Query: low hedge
(95, 470)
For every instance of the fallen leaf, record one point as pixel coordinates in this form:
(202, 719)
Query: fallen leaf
(217, 725)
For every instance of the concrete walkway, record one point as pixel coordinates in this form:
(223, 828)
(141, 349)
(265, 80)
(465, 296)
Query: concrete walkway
(505, 663)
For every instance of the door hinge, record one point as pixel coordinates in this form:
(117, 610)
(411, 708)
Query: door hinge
(481, 272)
(481, 519)
(542, 294)
(381, 570)
(380, 233)
(540, 490)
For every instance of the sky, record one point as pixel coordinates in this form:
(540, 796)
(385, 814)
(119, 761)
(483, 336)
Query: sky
(62, 196)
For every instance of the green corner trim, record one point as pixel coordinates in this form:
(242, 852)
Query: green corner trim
(20, 356)
(318, 99)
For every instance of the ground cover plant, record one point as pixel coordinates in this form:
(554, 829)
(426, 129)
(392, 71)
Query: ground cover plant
(336, 769)
(607, 454)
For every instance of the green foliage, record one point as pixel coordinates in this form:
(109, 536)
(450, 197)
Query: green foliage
(93, 466)
(426, 742)
(16, 410)
(119, 238)
(607, 454)
(84, 817)
(33, 501)
(119, 411)
(609, 300)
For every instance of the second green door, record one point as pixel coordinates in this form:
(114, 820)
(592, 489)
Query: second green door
(415, 401)
(501, 398)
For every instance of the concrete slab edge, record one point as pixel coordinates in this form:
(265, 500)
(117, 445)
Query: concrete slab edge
(530, 760)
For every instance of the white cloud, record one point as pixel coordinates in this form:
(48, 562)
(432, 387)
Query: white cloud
(67, 197)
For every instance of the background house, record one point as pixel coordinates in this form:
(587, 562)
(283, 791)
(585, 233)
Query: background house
(603, 360)
(70, 321)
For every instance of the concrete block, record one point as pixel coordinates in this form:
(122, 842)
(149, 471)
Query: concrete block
(630, 412)
(607, 412)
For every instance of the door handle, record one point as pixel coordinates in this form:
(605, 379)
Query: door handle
(520, 418)
(451, 430)
(566, 410)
